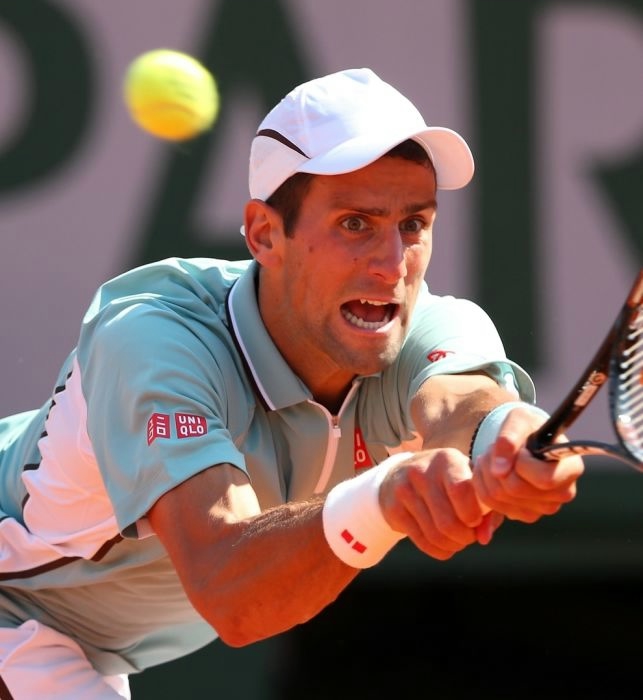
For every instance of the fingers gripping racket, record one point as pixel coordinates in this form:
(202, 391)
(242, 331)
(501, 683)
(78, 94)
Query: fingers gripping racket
(619, 362)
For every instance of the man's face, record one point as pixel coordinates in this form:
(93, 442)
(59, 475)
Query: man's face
(339, 299)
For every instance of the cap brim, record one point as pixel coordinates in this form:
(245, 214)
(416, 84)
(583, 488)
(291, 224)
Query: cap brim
(449, 153)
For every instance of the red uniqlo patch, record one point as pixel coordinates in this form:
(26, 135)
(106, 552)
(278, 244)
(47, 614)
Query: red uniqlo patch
(362, 458)
(158, 426)
(189, 425)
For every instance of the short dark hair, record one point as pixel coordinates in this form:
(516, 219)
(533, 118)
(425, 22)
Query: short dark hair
(287, 198)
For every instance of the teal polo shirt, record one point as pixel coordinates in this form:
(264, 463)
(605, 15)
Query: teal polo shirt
(174, 372)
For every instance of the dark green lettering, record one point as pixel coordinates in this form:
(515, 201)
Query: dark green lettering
(60, 92)
(506, 248)
(262, 56)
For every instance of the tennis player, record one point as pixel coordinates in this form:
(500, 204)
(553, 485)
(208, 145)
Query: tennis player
(231, 442)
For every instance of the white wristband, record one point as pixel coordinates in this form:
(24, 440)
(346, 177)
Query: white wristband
(354, 526)
(489, 427)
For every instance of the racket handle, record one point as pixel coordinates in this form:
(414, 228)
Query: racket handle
(540, 448)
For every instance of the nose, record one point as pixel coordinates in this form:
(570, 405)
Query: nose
(387, 259)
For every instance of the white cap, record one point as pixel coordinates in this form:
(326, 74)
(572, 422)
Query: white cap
(342, 122)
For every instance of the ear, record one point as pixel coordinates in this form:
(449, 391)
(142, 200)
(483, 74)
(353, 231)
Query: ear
(264, 232)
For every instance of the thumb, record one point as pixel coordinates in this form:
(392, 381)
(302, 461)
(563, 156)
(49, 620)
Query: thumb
(490, 523)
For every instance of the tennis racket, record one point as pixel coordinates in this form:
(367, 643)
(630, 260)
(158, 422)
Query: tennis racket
(618, 362)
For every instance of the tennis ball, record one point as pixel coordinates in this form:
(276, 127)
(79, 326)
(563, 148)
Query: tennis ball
(171, 95)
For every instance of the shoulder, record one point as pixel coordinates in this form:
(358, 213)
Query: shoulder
(174, 308)
(182, 281)
(449, 314)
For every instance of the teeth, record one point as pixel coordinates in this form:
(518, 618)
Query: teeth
(373, 303)
(368, 325)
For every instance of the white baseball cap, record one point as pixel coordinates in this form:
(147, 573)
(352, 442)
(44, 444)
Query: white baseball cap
(342, 122)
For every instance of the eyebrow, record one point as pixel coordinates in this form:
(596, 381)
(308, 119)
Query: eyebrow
(379, 211)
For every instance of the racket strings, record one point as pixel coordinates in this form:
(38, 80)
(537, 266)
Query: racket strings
(629, 403)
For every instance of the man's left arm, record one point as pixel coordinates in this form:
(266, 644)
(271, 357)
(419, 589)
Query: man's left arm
(472, 413)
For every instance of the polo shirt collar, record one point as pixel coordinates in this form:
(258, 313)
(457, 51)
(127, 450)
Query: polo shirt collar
(275, 383)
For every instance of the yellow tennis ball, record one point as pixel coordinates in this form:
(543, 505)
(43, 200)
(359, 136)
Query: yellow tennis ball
(171, 95)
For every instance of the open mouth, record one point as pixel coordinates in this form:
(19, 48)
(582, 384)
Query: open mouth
(368, 314)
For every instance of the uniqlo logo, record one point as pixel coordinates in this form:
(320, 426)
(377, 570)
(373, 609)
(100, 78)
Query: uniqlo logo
(158, 426)
(362, 458)
(189, 425)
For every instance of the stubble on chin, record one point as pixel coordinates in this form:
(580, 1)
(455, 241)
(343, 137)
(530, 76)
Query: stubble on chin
(369, 361)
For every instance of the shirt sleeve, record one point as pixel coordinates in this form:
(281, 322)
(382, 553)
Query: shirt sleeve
(451, 336)
(153, 380)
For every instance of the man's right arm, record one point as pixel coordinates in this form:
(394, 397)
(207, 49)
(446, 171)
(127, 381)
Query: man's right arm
(254, 574)
(250, 574)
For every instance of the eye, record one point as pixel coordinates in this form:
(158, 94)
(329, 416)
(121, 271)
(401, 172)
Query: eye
(354, 223)
(413, 225)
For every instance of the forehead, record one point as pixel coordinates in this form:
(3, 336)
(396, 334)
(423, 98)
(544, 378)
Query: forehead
(389, 178)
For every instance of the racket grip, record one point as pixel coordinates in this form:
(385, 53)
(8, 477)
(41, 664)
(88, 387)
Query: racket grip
(540, 447)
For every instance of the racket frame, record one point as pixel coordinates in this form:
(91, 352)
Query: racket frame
(603, 366)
